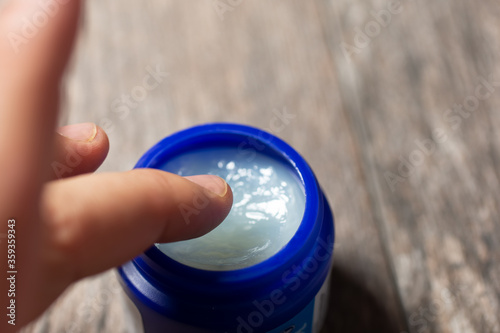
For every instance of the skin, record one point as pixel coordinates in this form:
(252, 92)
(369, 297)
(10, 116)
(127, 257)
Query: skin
(71, 228)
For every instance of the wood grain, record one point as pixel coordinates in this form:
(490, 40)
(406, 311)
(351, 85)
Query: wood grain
(440, 223)
(417, 253)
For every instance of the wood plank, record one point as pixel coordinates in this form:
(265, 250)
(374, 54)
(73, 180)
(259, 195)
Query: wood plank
(441, 223)
(354, 120)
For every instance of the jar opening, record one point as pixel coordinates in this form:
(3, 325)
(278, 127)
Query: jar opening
(268, 207)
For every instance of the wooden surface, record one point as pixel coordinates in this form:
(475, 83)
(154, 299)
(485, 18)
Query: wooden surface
(418, 242)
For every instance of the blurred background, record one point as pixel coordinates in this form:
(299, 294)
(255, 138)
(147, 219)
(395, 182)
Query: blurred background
(393, 103)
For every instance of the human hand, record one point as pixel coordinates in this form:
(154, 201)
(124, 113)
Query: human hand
(71, 228)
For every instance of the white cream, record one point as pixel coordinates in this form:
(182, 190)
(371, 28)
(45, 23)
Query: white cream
(268, 207)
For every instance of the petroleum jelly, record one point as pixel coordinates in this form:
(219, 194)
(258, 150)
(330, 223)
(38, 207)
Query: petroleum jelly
(268, 207)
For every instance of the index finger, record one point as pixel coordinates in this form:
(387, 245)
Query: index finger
(95, 222)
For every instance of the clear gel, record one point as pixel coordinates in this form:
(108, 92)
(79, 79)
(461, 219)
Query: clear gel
(268, 207)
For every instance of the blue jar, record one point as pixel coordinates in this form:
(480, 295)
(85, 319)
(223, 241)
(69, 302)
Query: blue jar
(285, 293)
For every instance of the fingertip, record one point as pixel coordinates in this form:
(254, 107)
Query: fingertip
(79, 149)
(102, 140)
(85, 132)
(216, 188)
(209, 203)
(214, 184)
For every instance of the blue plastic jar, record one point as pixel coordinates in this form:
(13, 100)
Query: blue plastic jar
(287, 293)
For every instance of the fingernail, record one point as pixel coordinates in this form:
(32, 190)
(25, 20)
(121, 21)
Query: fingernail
(79, 132)
(212, 183)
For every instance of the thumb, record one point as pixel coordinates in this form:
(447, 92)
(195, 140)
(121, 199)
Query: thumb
(79, 148)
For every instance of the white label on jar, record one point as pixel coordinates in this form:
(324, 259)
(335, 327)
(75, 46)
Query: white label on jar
(311, 319)
(132, 316)
(321, 302)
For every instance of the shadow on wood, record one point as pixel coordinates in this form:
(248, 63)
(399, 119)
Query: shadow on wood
(354, 309)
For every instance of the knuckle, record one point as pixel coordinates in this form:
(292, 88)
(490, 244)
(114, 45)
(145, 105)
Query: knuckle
(159, 188)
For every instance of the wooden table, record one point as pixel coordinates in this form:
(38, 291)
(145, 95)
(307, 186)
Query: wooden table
(395, 107)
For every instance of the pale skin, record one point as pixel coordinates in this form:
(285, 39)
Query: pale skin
(70, 228)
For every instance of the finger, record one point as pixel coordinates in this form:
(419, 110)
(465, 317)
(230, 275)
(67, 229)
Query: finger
(100, 221)
(79, 149)
(32, 60)
(34, 50)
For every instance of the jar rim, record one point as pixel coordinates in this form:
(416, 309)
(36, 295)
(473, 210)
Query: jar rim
(232, 134)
